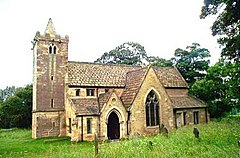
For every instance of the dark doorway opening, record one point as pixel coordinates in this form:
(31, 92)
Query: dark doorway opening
(113, 127)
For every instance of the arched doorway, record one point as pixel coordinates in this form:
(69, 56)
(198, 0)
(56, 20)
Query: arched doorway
(113, 127)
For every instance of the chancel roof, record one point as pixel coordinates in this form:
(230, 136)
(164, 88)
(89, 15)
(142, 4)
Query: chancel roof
(186, 101)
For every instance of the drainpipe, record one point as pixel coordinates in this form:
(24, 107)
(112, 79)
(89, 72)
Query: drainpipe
(82, 128)
(99, 125)
(128, 119)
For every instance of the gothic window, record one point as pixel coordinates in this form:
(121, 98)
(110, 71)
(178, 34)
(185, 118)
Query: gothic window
(50, 50)
(152, 109)
(54, 50)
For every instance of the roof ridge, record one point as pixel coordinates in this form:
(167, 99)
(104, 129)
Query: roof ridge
(181, 76)
(141, 82)
(141, 68)
(168, 67)
(108, 64)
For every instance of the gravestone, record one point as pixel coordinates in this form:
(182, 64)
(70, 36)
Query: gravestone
(196, 132)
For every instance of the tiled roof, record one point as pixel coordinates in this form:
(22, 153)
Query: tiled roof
(170, 77)
(86, 106)
(186, 101)
(133, 83)
(91, 74)
(113, 75)
(103, 98)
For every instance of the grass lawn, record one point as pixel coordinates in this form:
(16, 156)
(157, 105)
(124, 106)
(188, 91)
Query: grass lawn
(217, 139)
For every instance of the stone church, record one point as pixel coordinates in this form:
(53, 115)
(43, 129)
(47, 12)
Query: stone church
(79, 99)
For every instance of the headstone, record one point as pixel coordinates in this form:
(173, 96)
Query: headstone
(150, 145)
(196, 132)
(161, 126)
(165, 131)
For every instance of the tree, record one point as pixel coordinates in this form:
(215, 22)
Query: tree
(159, 62)
(15, 111)
(226, 26)
(192, 62)
(129, 53)
(218, 89)
(7, 92)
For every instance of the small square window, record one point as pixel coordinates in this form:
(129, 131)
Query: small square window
(90, 92)
(78, 92)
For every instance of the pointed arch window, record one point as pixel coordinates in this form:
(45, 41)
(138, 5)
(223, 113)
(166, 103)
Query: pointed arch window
(152, 109)
(52, 49)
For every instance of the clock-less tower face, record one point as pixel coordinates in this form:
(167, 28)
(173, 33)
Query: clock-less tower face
(49, 69)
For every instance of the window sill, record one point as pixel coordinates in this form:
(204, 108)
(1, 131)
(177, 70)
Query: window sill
(151, 127)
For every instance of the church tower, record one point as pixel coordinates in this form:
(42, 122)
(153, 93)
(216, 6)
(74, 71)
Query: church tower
(50, 57)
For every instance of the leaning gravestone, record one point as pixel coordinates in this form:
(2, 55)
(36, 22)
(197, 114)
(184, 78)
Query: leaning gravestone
(196, 132)
(165, 131)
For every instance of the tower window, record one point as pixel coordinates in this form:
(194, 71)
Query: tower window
(52, 103)
(51, 77)
(54, 49)
(50, 50)
(90, 92)
(53, 124)
(78, 92)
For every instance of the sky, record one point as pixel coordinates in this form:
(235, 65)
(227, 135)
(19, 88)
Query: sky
(98, 26)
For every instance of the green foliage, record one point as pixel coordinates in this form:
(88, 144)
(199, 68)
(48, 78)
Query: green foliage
(220, 88)
(7, 92)
(192, 62)
(159, 62)
(217, 139)
(227, 25)
(129, 53)
(16, 110)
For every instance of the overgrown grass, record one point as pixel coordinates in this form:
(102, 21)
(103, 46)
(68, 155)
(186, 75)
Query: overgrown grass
(217, 139)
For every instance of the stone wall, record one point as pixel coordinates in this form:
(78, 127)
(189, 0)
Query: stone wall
(49, 84)
(189, 116)
(138, 114)
(48, 124)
